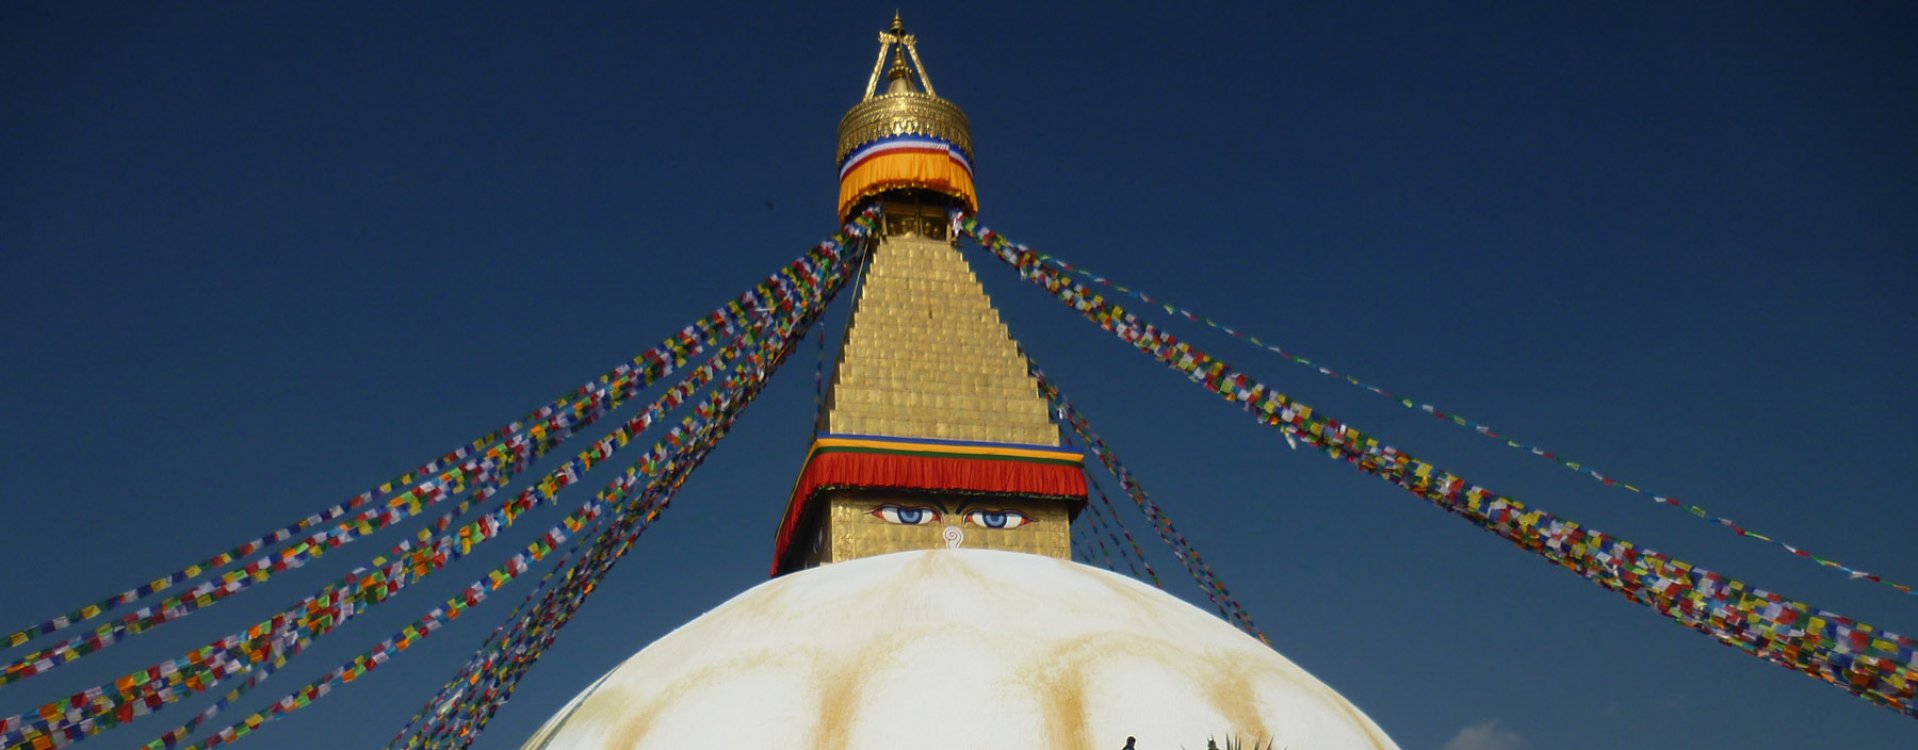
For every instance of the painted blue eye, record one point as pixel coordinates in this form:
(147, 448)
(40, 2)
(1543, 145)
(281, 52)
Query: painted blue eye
(916, 516)
(997, 519)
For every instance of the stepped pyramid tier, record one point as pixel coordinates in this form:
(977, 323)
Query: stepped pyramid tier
(933, 433)
(926, 356)
(905, 137)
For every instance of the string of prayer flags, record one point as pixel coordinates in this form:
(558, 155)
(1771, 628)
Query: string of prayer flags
(366, 661)
(488, 684)
(1112, 515)
(511, 457)
(1188, 555)
(1866, 661)
(640, 371)
(659, 457)
(473, 594)
(287, 633)
(273, 641)
(1083, 544)
(580, 578)
(1444, 415)
(1094, 538)
(460, 717)
(494, 645)
(1100, 521)
(489, 475)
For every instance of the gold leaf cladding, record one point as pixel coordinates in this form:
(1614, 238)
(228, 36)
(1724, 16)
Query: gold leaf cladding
(909, 113)
(926, 356)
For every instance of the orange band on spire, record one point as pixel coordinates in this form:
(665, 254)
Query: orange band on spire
(906, 169)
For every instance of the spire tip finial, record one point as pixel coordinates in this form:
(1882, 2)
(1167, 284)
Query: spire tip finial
(900, 76)
(907, 106)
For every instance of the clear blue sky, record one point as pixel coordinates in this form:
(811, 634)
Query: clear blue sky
(256, 258)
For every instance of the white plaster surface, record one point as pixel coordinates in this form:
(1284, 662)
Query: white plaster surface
(956, 648)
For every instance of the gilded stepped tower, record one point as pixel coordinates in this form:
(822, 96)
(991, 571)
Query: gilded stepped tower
(926, 356)
(924, 596)
(933, 434)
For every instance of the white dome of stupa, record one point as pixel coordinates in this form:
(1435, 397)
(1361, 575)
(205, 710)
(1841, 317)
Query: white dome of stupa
(956, 648)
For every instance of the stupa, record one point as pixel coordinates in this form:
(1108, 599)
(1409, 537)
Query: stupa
(924, 594)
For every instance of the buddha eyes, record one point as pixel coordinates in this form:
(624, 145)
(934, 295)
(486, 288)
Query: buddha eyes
(997, 519)
(921, 516)
(905, 516)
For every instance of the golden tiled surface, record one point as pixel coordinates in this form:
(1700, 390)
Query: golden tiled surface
(926, 356)
(851, 530)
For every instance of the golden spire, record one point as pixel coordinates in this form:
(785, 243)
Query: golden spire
(932, 433)
(896, 39)
(908, 107)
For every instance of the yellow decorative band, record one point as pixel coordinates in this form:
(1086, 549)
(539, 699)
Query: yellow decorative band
(928, 170)
(829, 444)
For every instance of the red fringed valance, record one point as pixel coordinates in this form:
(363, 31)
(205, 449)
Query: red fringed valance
(923, 465)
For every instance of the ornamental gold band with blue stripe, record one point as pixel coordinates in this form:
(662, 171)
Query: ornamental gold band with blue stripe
(906, 161)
